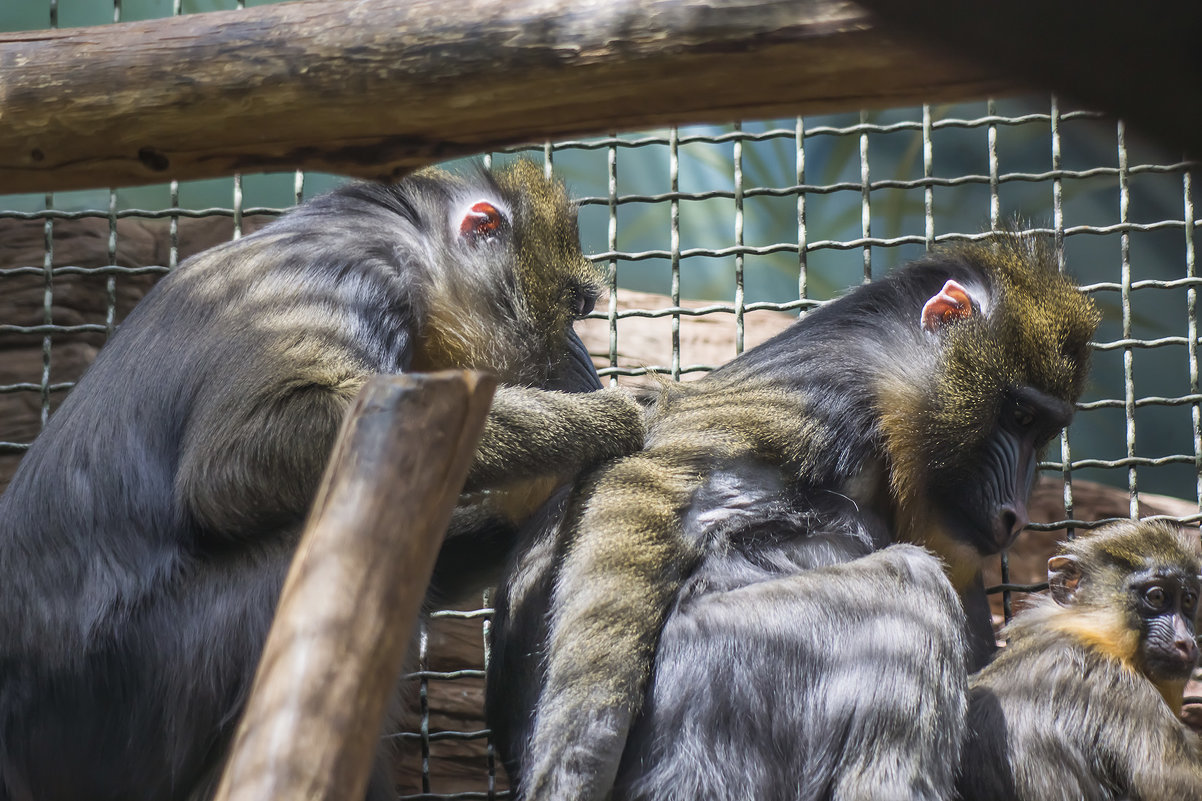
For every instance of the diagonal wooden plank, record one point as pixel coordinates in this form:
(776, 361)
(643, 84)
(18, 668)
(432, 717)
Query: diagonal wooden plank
(347, 610)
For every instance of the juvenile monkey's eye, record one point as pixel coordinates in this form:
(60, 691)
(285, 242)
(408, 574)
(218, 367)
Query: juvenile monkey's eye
(482, 221)
(1155, 597)
(1189, 599)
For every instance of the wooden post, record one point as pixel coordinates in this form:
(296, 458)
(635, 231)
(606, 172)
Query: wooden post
(348, 606)
(377, 87)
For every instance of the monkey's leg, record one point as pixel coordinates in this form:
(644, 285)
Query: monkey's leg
(844, 683)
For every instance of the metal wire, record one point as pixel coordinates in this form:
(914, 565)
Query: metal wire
(819, 249)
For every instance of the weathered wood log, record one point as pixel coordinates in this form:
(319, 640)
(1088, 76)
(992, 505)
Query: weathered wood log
(377, 87)
(348, 607)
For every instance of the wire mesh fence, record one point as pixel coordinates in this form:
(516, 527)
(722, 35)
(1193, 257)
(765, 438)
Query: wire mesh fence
(713, 238)
(739, 228)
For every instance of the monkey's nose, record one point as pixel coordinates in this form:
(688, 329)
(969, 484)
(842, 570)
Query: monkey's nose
(1011, 519)
(1188, 649)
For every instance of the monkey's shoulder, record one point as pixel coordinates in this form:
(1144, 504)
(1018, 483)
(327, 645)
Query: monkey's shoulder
(1057, 668)
(753, 510)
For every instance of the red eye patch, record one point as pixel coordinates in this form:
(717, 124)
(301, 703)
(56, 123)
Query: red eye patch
(482, 220)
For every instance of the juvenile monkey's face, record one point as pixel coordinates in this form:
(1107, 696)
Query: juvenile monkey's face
(1166, 603)
(1138, 582)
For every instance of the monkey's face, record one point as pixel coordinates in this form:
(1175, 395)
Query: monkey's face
(1004, 340)
(557, 285)
(982, 491)
(511, 283)
(1133, 587)
(1166, 603)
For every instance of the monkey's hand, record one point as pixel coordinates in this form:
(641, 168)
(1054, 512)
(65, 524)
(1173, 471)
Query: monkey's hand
(538, 434)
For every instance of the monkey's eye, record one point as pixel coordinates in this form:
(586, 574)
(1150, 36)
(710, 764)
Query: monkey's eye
(1155, 597)
(582, 303)
(1023, 417)
(1189, 599)
(482, 221)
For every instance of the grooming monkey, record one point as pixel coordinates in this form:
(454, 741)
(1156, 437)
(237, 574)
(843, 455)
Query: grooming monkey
(1082, 704)
(719, 615)
(147, 532)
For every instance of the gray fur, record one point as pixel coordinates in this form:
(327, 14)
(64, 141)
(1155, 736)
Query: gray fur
(746, 703)
(147, 531)
(718, 609)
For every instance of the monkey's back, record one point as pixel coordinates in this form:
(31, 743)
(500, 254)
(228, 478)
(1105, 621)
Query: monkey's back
(127, 607)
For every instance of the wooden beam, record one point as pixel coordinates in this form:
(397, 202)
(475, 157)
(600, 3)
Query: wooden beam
(376, 87)
(347, 610)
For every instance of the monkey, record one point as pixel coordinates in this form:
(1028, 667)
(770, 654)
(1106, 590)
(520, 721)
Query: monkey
(146, 534)
(780, 595)
(1083, 701)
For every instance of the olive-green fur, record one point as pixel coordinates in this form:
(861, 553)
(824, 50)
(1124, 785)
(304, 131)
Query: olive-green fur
(550, 265)
(518, 316)
(1036, 334)
(1125, 547)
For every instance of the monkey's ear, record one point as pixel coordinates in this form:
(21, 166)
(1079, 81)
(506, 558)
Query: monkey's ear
(483, 221)
(952, 303)
(1064, 576)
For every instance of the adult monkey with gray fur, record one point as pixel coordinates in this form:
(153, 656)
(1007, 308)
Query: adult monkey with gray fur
(1082, 704)
(147, 532)
(735, 574)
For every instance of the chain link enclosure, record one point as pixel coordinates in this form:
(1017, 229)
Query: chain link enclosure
(732, 228)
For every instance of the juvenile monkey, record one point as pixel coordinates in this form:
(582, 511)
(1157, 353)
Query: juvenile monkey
(1083, 702)
(719, 616)
(146, 534)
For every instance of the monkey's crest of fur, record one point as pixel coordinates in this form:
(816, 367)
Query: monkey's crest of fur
(1033, 329)
(1127, 546)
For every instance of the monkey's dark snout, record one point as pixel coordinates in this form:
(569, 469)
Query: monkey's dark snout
(1009, 522)
(1187, 647)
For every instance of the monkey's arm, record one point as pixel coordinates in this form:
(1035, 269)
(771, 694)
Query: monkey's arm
(533, 432)
(1165, 764)
(982, 642)
(614, 591)
(252, 462)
